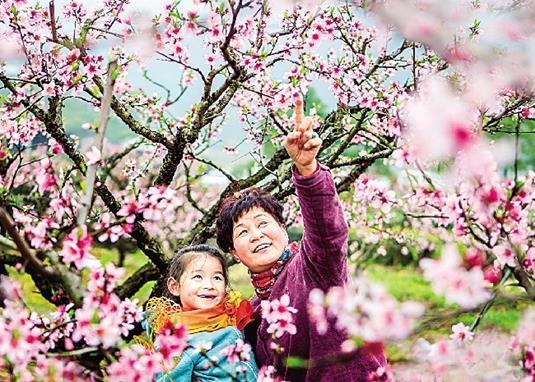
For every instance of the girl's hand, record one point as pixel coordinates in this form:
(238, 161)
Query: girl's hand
(303, 144)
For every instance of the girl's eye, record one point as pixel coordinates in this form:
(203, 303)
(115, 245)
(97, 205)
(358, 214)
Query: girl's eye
(196, 277)
(262, 224)
(218, 278)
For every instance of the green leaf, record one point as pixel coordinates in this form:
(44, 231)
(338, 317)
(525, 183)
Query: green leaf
(95, 319)
(80, 41)
(296, 362)
(115, 73)
(95, 91)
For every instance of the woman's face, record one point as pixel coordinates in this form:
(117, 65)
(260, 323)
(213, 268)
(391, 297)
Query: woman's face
(258, 240)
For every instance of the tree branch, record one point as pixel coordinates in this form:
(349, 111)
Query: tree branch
(130, 286)
(42, 274)
(361, 164)
(91, 173)
(125, 116)
(524, 280)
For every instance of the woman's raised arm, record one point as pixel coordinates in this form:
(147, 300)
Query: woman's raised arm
(324, 243)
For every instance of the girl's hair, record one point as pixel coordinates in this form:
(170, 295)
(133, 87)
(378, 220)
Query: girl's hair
(183, 257)
(238, 204)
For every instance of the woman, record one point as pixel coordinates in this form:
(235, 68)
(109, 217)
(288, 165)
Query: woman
(250, 226)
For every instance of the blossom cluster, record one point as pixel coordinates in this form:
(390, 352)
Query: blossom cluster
(364, 311)
(37, 347)
(279, 314)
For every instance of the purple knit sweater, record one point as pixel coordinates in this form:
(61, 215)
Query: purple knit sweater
(320, 263)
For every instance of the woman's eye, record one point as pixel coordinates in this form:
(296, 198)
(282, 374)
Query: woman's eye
(242, 232)
(262, 224)
(196, 277)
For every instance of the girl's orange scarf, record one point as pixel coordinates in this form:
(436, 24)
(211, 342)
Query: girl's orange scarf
(232, 311)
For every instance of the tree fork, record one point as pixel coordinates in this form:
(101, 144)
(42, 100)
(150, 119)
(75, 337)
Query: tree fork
(130, 286)
(148, 245)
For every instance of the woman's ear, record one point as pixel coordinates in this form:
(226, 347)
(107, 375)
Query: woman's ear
(283, 227)
(173, 286)
(234, 255)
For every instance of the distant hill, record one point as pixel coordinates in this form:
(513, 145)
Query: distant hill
(76, 113)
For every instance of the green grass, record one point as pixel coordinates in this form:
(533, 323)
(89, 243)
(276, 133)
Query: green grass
(405, 284)
(132, 261)
(498, 317)
(30, 294)
(240, 281)
(143, 294)
(408, 284)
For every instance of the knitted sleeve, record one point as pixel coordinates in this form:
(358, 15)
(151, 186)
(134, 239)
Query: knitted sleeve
(324, 243)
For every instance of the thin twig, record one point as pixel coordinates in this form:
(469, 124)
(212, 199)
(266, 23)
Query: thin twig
(489, 303)
(426, 177)
(53, 28)
(517, 147)
(91, 174)
(212, 164)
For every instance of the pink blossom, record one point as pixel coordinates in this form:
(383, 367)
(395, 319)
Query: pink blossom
(93, 156)
(493, 274)
(461, 333)
(474, 258)
(526, 328)
(439, 122)
(129, 211)
(136, 363)
(111, 232)
(505, 255)
(466, 288)
(76, 246)
(366, 311)
(240, 351)
(45, 178)
(268, 374)
(279, 315)
(49, 89)
(214, 27)
(230, 150)
(104, 318)
(317, 311)
(529, 261)
(171, 342)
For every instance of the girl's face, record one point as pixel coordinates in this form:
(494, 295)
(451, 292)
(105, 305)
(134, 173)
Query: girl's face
(202, 285)
(258, 240)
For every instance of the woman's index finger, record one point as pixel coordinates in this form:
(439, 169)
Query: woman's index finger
(298, 113)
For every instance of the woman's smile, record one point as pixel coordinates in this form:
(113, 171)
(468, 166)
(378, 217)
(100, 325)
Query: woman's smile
(262, 248)
(258, 240)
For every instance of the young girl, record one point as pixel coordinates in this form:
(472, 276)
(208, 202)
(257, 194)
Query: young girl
(197, 297)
